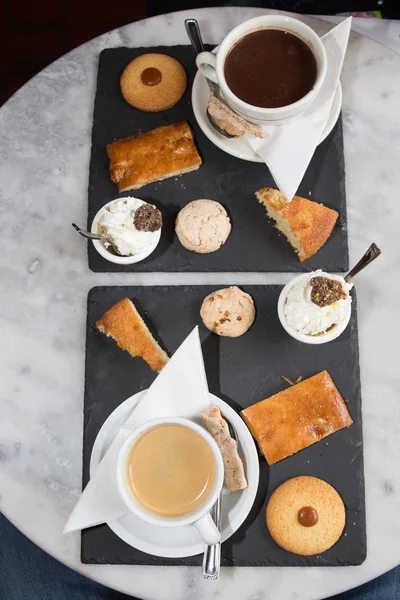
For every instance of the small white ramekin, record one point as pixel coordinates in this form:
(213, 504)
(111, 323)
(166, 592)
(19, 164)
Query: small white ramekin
(120, 260)
(322, 338)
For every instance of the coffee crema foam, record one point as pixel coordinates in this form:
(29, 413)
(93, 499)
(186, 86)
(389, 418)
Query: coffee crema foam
(171, 470)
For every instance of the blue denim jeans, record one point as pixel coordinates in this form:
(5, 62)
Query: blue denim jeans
(28, 573)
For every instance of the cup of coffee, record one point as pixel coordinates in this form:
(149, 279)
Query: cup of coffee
(170, 473)
(269, 68)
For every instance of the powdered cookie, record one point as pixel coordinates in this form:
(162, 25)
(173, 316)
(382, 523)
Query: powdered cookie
(153, 82)
(306, 515)
(228, 312)
(203, 226)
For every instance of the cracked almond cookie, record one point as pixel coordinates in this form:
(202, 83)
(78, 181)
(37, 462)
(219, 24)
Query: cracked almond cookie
(203, 226)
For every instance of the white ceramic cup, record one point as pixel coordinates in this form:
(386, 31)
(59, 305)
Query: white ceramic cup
(201, 517)
(212, 66)
(323, 338)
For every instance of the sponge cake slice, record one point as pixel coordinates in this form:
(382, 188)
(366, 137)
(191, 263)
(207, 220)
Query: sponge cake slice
(123, 323)
(306, 224)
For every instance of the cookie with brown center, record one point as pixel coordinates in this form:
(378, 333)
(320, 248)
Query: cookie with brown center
(153, 82)
(306, 515)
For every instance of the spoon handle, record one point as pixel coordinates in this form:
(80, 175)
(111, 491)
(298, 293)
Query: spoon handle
(371, 254)
(212, 554)
(88, 234)
(193, 31)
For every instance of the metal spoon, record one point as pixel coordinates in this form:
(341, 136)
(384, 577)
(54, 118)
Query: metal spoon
(193, 31)
(371, 254)
(212, 554)
(97, 236)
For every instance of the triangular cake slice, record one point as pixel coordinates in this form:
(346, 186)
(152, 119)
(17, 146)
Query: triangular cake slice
(306, 224)
(123, 323)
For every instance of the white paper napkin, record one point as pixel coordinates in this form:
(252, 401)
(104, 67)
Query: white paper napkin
(180, 390)
(287, 149)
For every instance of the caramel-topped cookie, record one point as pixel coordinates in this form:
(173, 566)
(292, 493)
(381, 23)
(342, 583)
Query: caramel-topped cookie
(305, 515)
(153, 82)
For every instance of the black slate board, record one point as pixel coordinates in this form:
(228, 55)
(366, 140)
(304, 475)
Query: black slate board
(240, 371)
(222, 177)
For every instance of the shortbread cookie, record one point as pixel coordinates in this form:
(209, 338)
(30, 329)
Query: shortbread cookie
(306, 515)
(153, 82)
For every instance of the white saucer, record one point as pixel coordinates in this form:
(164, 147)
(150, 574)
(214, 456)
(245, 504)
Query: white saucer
(181, 542)
(238, 146)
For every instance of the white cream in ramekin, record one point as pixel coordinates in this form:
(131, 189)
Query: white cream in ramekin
(308, 322)
(115, 220)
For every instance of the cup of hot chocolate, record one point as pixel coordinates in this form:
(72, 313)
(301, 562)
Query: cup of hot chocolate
(269, 68)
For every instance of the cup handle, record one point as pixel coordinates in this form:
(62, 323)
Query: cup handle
(206, 62)
(208, 530)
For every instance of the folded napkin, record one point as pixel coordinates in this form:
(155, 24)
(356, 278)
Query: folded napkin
(287, 149)
(180, 390)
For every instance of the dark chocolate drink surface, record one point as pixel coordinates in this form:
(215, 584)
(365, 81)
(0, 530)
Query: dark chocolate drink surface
(270, 68)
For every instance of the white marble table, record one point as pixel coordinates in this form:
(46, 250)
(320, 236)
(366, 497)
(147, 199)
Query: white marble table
(44, 156)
